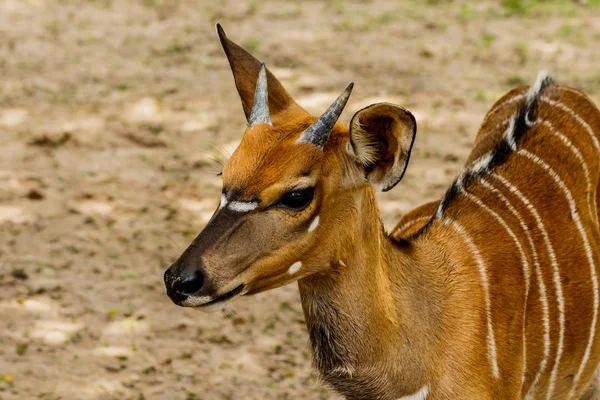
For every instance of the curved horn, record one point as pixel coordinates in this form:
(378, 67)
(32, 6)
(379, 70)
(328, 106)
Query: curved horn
(318, 133)
(260, 108)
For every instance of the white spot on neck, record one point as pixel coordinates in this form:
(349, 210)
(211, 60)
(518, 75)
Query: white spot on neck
(314, 224)
(420, 395)
(242, 206)
(295, 267)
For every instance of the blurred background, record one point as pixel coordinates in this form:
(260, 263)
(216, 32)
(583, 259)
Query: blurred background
(115, 118)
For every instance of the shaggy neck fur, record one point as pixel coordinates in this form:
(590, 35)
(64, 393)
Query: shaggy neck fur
(373, 319)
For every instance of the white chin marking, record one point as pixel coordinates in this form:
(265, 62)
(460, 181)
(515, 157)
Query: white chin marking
(314, 224)
(295, 267)
(242, 206)
(195, 301)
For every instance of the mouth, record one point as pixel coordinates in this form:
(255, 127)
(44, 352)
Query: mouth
(189, 302)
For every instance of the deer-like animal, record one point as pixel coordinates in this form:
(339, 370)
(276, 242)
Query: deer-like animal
(490, 293)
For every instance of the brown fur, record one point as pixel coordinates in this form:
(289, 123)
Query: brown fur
(553, 209)
(390, 314)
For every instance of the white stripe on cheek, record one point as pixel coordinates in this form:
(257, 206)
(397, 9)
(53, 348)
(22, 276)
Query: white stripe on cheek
(223, 201)
(242, 206)
(295, 267)
(314, 224)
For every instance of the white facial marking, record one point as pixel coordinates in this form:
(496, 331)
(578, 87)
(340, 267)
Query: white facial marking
(314, 224)
(491, 341)
(242, 206)
(295, 267)
(421, 394)
(223, 201)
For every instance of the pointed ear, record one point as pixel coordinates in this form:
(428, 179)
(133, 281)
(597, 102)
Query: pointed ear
(381, 138)
(245, 70)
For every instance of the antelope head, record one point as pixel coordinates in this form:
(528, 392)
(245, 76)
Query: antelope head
(289, 190)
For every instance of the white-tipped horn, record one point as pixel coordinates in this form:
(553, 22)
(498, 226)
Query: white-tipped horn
(318, 133)
(260, 108)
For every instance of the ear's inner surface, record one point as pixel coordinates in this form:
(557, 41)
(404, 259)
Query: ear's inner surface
(381, 138)
(379, 132)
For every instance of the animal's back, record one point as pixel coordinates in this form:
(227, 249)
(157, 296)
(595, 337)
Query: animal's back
(522, 219)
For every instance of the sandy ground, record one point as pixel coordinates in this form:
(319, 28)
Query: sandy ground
(114, 119)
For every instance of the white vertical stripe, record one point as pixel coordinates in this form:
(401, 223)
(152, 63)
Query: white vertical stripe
(581, 121)
(552, 255)
(538, 272)
(590, 257)
(592, 206)
(584, 124)
(491, 341)
(524, 263)
(408, 224)
(586, 171)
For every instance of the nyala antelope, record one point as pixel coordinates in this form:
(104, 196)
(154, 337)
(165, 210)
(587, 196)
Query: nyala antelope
(490, 293)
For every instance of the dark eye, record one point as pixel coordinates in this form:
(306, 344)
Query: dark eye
(297, 199)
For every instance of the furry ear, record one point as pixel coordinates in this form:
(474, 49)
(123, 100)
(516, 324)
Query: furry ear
(381, 138)
(245, 70)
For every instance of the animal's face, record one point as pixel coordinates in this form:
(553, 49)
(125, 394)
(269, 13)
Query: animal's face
(288, 190)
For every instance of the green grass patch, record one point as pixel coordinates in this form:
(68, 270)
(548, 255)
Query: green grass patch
(487, 39)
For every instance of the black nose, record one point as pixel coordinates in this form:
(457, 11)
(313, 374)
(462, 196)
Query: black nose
(184, 285)
(189, 284)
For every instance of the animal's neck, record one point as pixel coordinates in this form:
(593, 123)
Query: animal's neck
(376, 310)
